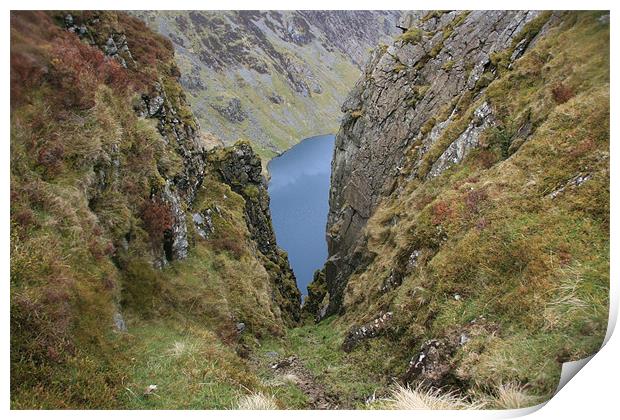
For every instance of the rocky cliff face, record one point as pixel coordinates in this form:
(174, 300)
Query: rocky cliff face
(443, 205)
(270, 77)
(240, 168)
(409, 93)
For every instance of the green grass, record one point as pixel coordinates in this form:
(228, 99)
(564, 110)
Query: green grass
(191, 368)
(412, 36)
(352, 378)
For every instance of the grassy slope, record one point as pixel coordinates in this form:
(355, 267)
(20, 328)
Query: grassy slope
(72, 268)
(535, 268)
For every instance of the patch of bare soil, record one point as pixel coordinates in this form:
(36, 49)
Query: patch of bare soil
(318, 397)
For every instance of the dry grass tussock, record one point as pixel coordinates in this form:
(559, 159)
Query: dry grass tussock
(421, 398)
(512, 396)
(506, 397)
(257, 401)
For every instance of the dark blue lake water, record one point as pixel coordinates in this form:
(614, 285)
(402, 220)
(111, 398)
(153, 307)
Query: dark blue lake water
(299, 191)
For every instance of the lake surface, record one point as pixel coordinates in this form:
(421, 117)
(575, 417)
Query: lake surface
(299, 191)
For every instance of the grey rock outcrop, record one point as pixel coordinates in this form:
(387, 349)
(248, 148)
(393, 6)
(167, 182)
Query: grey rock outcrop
(175, 239)
(315, 304)
(459, 148)
(179, 191)
(117, 48)
(571, 183)
(374, 328)
(432, 364)
(240, 168)
(71, 26)
(204, 223)
(231, 111)
(408, 19)
(119, 322)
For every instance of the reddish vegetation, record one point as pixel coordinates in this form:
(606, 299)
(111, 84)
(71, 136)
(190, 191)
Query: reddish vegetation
(583, 147)
(423, 201)
(28, 56)
(157, 218)
(24, 217)
(473, 200)
(147, 48)
(562, 93)
(441, 211)
(233, 246)
(50, 157)
(76, 68)
(487, 158)
(99, 249)
(68, 64)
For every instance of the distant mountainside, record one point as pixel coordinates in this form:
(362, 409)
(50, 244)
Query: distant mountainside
(272, 77)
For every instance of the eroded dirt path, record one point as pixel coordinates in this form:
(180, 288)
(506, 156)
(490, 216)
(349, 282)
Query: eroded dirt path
(318, 397)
